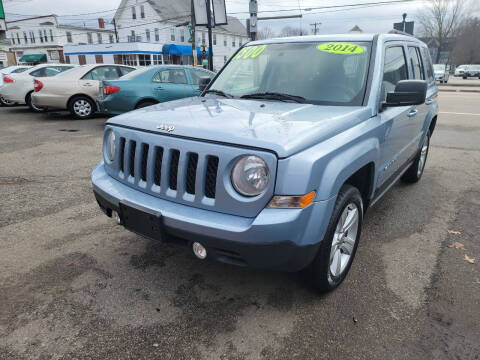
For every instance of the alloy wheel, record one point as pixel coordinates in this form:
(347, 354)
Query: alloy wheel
(423, 156)
(343, 241)
(82, 108)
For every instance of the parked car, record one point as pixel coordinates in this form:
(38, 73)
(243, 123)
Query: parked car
(18, 88)
(441, 73)
(149, 86)
(15, 69)
(276, 172)
(459, 70)
(77, 90)
(471, 71)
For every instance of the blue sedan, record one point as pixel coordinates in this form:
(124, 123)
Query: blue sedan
(149, 86)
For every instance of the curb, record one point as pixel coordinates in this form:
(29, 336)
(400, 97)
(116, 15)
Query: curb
(460, 90)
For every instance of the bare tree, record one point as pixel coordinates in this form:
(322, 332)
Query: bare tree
(266, 33)
(293, 31)
(467, 45)
(440, 21)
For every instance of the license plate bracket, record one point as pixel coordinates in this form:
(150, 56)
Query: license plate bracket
(142, 221)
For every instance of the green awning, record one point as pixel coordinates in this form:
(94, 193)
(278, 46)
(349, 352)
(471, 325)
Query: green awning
(30, 58)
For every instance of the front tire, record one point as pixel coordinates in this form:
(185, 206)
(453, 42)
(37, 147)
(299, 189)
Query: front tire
(32, 106)
(81, 107)
(415, 171)
(338, 247)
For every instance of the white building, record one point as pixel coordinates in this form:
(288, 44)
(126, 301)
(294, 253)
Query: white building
(149, 33)
(41, 39)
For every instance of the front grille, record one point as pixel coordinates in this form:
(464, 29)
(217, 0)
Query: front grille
(181, 173)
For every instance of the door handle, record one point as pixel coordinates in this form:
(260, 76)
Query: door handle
(412, 113)
(428, 102)
(159, 88)
(87, 84)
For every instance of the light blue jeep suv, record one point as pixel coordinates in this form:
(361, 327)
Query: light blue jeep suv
(275, 164)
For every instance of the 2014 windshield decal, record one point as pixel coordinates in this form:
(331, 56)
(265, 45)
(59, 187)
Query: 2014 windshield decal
(250, 52)
(341, 48)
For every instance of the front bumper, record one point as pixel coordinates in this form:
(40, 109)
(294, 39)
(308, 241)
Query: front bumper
(281, 239)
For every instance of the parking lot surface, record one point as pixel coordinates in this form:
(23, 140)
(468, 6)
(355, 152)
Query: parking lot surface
(73, 285)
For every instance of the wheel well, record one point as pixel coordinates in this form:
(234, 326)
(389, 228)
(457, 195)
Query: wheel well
(432, 125)
(82, 95)
(26, 96)
(146, 100)
(362, 179)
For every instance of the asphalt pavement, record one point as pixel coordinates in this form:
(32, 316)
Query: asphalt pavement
(73, 285)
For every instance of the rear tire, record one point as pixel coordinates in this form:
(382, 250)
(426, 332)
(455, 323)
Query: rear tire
(6, 103)
(145, 103)
(415, 171)
(33, 107)
(81, 107)
(339, 246)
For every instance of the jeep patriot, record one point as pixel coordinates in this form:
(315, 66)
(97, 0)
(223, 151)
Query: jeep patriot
(275, 164)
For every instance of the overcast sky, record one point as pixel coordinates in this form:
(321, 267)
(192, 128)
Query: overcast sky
(369, 19)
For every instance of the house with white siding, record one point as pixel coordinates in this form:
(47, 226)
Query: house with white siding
(42, 38)
(152, 32)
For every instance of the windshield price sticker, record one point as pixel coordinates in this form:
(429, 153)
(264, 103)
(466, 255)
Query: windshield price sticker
(250, 52)
(340, 48)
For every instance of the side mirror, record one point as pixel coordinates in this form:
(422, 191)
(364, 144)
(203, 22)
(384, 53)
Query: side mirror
(407, 92)
(203, 83)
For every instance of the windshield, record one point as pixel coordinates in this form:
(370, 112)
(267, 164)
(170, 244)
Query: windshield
(439, 67)
(329, 73)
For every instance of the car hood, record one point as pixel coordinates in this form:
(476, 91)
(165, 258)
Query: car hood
(285, 128)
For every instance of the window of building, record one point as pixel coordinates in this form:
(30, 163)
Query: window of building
(224, 59)
(129, 60)
(18, 37)
(157, 59)
(240, 42)
(395, 68)
(45, 35)
(25, 37)
(99, 59)
(214, 39)
(147, 34)
(416, 63)
(89, 38)
(174, 76)
(82, 59)
(134, 13)
(69, 37)
(110, 38)
(144, 60)
(203, 37)
(51, 35)
(182, 35)
(40, 35)
(67, 59)
(157, 35)
(225, 40)
(99, 38)
(32, 37)
(131, 38)
(142, 11)
(172, 34)
(13, 40)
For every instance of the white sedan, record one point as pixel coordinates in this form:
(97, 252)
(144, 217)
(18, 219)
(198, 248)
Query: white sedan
(18, 88)
(15, 69)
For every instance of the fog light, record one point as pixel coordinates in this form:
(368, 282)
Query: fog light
(199, 250)
(117, 218)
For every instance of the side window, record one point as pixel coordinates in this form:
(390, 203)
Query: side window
(198, 74)
(416, 63)
(174, 76)
(102, 73)
(428, 64)
(19, 70)
(38, 73)
(54, 70)
(395, 68)
(125, 70)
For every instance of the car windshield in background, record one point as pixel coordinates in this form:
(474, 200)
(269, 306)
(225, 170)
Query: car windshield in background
(439, 67)
(328, 73)
(135, 73)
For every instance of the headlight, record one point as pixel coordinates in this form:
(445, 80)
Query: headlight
(109, 145)
(250, 175)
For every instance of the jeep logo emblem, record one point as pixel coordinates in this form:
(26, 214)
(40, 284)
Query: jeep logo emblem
(166, 127)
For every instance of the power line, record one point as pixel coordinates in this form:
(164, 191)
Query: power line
(315, 27)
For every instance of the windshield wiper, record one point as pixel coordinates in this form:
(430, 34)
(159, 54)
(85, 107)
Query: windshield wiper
(219, 92)
(275, 96)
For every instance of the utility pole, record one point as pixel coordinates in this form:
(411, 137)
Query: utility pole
(404, 15)
(315, 27)
(115, 29)
(253, 7)
(210, 41)
(194, 48)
